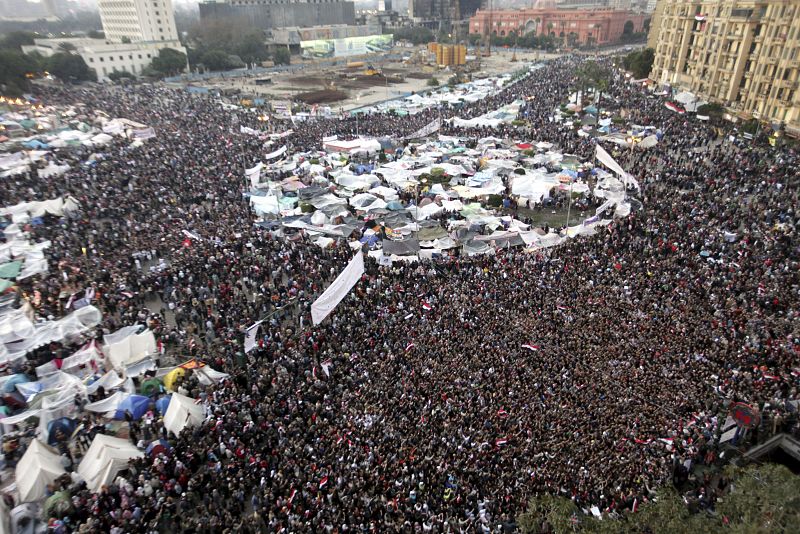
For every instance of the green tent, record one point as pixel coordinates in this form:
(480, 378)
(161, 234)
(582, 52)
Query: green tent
(5, 284)
(10, 269)
(57, 505)
(150, 386)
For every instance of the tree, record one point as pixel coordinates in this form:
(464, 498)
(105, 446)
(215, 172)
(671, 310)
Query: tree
(169, 62)
(251, 48)
(216, 60)
(281, 56)
(433, 82)
(14, 65)
(639, 62)
(595, 76)
(763, 499)
(713, 110)
(69, 68)
(417, 35)
(66, 46)
(17, 39)
(119, 75)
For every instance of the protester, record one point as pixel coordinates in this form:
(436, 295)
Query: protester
(595, 370)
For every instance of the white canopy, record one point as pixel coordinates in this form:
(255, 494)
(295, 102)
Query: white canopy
(38, 467)
(182, 412)
(106, 457)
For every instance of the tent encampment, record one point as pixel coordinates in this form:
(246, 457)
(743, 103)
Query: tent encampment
(182, 412)
(38, 467)
(106, 457)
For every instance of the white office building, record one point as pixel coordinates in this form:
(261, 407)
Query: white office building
(135, 32)
(138, 20)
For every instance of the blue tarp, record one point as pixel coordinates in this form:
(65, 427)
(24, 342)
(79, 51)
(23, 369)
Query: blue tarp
(63, 424)
(136, 404)
(162, 404)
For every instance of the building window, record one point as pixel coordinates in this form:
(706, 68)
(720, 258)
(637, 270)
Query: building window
(91, 60)
(100, 58)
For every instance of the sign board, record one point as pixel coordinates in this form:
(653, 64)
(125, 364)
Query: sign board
(349, 46)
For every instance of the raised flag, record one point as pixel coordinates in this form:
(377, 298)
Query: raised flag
(427, 306)
(323, 482)
(250, 337)
(410, 346)
(528, 346)
(326, 366)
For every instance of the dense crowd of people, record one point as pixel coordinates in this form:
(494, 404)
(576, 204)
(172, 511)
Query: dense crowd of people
(432, 420)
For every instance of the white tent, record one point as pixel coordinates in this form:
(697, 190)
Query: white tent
(106, 457)
(38, 467)
(125, 347)
(182, 412)
(109, 404)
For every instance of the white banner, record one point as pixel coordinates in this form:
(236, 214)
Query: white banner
(603, 207)
(144, 133)
(248, 131)
(279, 152)
(254, 174)
(606, 159)
(250, 337)
(332, 296)
(426, 130)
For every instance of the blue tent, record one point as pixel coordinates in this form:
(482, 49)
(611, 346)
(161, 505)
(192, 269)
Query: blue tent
(11, 384)
(395, 205)
(136, 404)
(370, 239)
(162, 404)
(63, 424)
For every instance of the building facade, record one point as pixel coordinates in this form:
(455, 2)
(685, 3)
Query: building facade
(443, 10)
(138, 20)
(744, 55)
(575, 26)
(135, 32)
(265, 14)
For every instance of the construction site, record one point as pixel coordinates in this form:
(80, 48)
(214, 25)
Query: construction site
(354, 82)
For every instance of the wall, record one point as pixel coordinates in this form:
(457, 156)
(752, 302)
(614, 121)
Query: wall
(282, 15)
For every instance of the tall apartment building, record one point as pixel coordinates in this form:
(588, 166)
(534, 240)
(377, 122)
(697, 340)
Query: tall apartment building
(138, 20)
(742, 54)
(135, 32)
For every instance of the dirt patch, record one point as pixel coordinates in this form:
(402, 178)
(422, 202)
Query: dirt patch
(419, 75)
(324, 96)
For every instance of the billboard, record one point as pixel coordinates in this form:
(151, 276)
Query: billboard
(349, 46)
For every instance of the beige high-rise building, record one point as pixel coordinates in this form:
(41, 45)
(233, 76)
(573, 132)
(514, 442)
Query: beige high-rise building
(742, 54)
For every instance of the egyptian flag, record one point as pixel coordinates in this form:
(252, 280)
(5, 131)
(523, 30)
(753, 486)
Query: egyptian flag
(675, 107)
(531, 347)
(323, 482)
(500, 442)
(426, 306)
(410, 346)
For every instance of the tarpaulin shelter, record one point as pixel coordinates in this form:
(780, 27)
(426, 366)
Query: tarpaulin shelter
(158, 447)
(106, 457)
(182, 412)
(163, 403)
(150, 386)
(171, 378)
(135, 404)
(60, 429)
(57, 505)
(38, 467)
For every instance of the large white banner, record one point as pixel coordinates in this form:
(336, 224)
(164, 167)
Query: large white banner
(426, 130)
(144, 133)
(279, 152)
(606, 159)
(338, 289)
